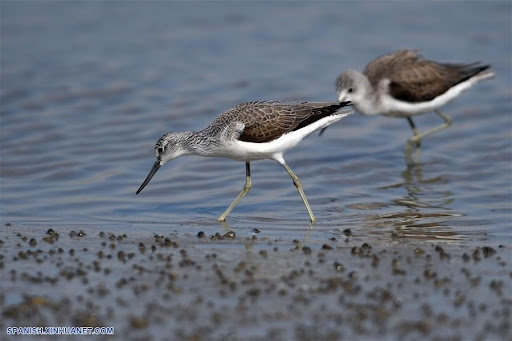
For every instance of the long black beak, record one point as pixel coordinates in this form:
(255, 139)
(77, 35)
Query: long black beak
(150, 175)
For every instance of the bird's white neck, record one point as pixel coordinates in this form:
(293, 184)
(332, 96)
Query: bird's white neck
(368, 99)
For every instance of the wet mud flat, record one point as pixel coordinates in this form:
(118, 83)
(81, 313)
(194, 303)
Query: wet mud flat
(220, 286)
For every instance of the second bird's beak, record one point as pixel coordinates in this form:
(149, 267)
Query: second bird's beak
(150, 175)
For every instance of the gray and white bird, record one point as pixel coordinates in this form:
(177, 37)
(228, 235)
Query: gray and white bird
(404, 84)
(252, 131)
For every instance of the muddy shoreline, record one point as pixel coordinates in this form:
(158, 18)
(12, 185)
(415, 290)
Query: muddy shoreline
(221, 286)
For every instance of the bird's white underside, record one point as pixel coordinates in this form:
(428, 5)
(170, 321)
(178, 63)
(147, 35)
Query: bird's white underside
(387, 105)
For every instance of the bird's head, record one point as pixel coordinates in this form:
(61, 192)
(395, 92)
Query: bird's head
(352, 86)
(167, 148)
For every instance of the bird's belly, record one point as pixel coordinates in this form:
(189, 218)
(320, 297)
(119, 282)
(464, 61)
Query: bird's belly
(396, 108)
(251, 151)
(404, 113)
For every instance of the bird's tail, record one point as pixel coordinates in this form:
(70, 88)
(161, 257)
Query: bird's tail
(342, 104)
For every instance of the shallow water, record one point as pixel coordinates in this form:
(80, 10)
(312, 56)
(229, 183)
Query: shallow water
(88, 88)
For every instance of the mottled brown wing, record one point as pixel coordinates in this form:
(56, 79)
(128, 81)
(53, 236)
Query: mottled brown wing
(426, 80)
(267, 121)
(414, 79)
(386, 65)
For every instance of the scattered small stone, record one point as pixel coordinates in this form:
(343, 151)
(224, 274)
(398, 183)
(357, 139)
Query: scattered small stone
(121, 256)
(216, 236)
(200, 234)
(375, 261)
(347, 232)
(356, 250)
(51, 236)
(398, 272)
(476, 255)
(496, 285)
(139, 322)
(230, 235)
(239, 267)
(429, 273)
(459, 299)
(419, 251)
(465, 257)
(339, 267)
(441, 252)
(306, 250)
(48, 239)
(488, 251)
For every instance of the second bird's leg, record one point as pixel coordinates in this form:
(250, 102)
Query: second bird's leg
(244, 191)
(298, 185)
(447, 121)
(419, 136)
(410, 143)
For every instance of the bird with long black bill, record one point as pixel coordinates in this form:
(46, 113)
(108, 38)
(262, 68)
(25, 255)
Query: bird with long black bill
(252, 131)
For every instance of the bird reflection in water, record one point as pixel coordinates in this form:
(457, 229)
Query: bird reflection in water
(426, 212)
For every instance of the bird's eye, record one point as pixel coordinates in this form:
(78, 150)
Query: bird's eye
(160, 150)
(350, 90)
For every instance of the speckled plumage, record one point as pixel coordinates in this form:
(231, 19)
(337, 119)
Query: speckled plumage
(251, 131)
(267, 121)
(415, 79)
(404, 84)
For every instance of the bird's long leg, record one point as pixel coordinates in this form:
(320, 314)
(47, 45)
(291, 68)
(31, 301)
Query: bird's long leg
(413, 126)
(447, 121)
(416, 139)
(244, 191)
(298, 185)
(410, 143)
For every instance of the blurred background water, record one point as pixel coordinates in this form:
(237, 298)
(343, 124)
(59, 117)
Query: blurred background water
(88, 87)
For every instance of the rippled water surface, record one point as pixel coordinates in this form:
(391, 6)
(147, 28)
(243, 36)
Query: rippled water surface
(87, 89)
